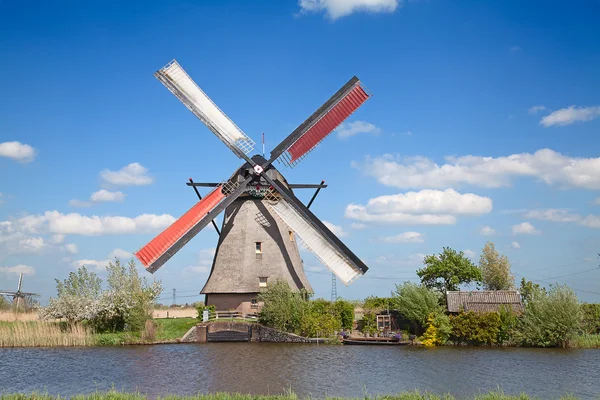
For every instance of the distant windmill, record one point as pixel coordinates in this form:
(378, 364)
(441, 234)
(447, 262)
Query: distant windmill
(18, 296)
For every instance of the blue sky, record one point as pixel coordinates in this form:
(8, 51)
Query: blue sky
(483, 125)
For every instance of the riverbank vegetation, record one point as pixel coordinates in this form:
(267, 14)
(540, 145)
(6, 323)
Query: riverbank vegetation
(53, 333)
(414, 395)
(549, 317)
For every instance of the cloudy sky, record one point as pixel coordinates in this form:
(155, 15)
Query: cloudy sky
(484, 125)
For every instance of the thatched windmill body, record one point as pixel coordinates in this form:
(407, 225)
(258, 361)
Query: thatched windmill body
(263, 219)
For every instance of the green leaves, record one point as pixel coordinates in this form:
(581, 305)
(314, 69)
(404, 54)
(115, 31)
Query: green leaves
(416, 302)
(448, 270)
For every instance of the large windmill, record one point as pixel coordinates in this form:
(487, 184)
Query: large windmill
(19, 296)
(262, 217)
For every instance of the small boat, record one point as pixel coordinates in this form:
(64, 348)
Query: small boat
(375, 342)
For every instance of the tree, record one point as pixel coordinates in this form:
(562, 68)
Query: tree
(552, 318)
(448, 270)
(416, 302)
(495, 269)
(528, 289)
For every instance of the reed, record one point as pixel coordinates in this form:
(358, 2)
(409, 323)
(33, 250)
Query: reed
(44, 334)
(11, 316)
(415, 395)
(586, 341)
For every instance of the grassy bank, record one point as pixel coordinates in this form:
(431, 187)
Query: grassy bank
(54, 334)
(416, 395)
(586, 341)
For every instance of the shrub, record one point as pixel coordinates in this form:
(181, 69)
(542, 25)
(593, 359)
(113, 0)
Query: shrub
(591, 318)
(508, 325)
(369, 323)
(282, 308)
(375, 304)
(438, 330)
(200, 307)
(416, 302)
(345, 312)
(475, 328)
(551, 319)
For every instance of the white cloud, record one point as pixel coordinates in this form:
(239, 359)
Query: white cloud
(525, 228)
(336, 229)
(470, 254)
(314, 268)
(79, 203)
(17, 151)
(18, 269)
(104, 195)
(58, 238)
(360, 213)
(120, 253)
(205, 259)
(515, 245)
(340, 8)
(406, 237)
(562, 215)
(54, 222)
(357, 226)
(551, 214)
(546, 165)
(597, 201)
(569, 115)
(448, 201)
(536, 109)
(349, 129)
(95, 265)
(487, 231)
(514, 49)
(71, 248)
(132, 174)
(427, 207)
(31, 245)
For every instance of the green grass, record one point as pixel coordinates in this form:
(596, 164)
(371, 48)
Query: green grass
(173, 328)
(116, 395)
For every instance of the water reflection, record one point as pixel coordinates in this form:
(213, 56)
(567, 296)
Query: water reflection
(315, 370)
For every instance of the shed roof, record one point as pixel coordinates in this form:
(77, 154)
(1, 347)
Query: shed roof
(483, 301)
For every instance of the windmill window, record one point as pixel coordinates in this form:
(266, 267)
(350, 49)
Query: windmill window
(258, 247)
(291, 236)
(262, 282)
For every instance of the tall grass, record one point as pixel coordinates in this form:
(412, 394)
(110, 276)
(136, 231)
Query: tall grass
(18, 316)
(44, 334)
(415, 395)
(585, 341)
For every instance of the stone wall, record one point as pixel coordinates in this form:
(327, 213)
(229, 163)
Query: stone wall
(259, 333)
(262, 333)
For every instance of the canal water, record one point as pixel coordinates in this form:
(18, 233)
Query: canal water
(315, 370)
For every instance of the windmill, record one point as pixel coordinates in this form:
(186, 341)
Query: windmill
(262, 216)
(18, 296)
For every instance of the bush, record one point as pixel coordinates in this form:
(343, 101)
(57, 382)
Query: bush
(438, 330)
(551, 319)
(375, 304)
(283, 308)
(475, 328)
(591, 318)
(508, 325)
(345, 312)
(200, 307)
(415, 302)
(369, 323)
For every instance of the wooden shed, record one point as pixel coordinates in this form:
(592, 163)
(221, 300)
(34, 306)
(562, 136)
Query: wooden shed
(483, 300)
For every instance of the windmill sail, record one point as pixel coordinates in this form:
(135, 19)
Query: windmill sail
(164, 246)
(185, 89)
(323, 121)
(316, 236)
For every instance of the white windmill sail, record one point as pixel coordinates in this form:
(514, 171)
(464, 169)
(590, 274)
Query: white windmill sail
(181, 85)
(341, 266)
